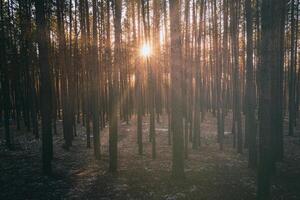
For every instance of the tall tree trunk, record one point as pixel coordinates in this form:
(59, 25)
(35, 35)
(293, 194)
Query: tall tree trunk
(95, 81)
(270, 51)
(176, 97)
(113, 121)
(237, 121)
(250, 95)
(67, 121)
(4, 78)
(138, 82)
(45, 84)
(292, 71)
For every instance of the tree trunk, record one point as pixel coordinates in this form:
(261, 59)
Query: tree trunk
(95, 81)
(270, 51)
(113, 121)
(250, 95)
(45, 83)
(176, 97)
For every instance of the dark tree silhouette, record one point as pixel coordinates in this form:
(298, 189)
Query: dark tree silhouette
(42, 22)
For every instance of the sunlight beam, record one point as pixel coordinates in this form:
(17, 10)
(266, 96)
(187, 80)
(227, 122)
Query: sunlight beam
(145, 50)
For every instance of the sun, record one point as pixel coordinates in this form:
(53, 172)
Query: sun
(145, 50)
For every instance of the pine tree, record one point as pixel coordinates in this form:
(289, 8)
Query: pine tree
(42, 22)
(176, 96)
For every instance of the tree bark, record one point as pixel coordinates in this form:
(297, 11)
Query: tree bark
(45, 83)
(176, 96)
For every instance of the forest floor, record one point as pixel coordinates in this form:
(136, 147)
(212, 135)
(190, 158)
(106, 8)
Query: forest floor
(210, 173)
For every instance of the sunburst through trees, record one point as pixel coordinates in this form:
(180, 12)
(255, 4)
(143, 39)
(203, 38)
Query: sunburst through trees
(151, 63)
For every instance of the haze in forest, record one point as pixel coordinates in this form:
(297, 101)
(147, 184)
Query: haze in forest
(149, 99)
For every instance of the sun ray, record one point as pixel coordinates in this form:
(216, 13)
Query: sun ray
(146, 50)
